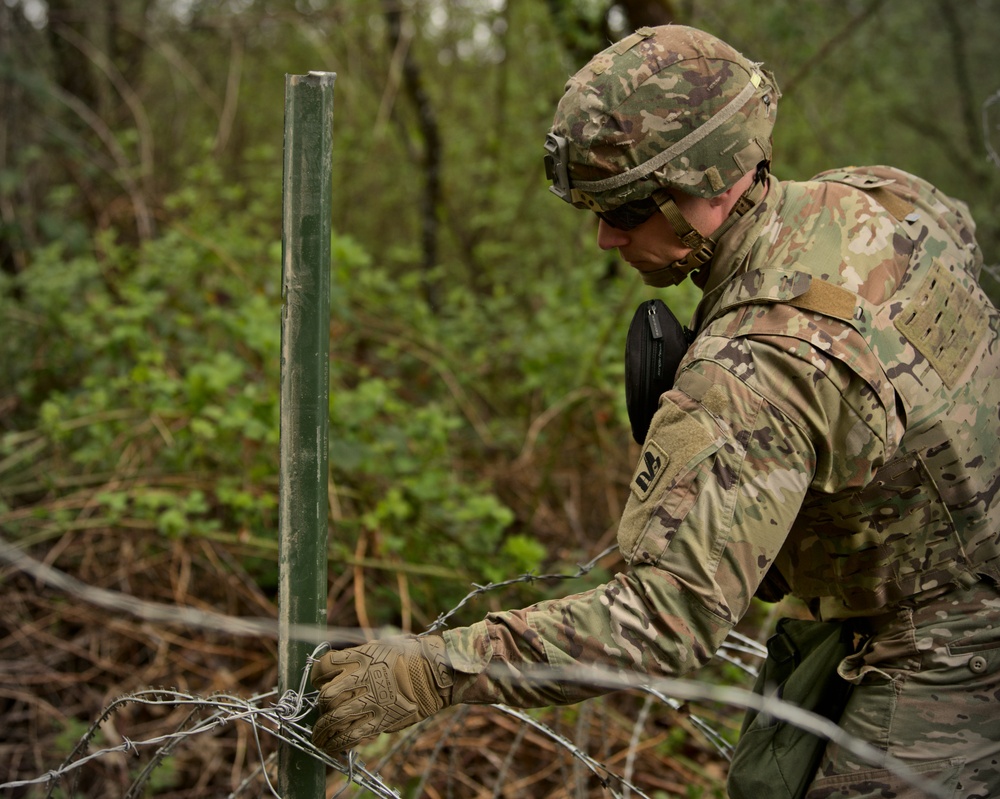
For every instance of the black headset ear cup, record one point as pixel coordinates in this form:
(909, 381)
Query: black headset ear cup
(655, 344)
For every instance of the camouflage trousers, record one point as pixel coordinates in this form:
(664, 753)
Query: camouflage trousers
(927, 692)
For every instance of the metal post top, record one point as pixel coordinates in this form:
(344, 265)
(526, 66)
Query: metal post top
(315, 78)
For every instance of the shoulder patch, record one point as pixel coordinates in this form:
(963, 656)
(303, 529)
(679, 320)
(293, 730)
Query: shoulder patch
(652, 464)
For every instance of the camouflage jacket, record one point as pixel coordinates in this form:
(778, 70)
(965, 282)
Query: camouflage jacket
(833, 428)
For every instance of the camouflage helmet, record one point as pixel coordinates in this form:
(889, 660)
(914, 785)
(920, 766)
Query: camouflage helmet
(667, 107)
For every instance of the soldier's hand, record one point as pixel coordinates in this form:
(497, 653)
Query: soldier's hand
(381, 686)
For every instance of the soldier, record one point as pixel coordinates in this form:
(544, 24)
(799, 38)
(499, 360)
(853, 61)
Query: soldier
(831, 433)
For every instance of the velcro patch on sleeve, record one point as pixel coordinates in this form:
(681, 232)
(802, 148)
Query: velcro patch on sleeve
(652, 464)
(674, 438)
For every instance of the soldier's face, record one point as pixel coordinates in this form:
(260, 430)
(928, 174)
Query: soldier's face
(654, 244)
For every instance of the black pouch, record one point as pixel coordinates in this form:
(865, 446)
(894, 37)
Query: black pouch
(774, 758)
(655, 344)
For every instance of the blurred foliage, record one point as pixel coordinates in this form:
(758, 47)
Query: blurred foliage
(476, 411)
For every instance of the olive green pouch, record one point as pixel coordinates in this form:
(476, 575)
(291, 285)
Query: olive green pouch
(774, 758)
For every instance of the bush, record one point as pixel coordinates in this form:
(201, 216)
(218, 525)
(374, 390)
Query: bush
(145, 389)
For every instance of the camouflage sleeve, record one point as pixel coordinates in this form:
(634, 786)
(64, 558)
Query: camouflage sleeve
(720, 479)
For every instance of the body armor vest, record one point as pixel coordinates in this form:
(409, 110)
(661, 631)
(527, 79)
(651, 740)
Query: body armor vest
(887, 283)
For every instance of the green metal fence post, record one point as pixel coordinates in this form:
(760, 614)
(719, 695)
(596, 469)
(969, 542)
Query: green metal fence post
(305, 395)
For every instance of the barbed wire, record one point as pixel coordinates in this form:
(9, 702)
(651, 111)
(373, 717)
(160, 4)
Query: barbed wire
(283, 719)
(478, 590)
(194, 618)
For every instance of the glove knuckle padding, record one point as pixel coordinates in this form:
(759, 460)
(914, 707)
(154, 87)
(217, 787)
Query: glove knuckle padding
(381, 686)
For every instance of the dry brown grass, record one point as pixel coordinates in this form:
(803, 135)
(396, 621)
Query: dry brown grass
(64, 662)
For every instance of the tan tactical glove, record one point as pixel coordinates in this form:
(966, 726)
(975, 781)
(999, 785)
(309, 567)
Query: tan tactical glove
(381, 686)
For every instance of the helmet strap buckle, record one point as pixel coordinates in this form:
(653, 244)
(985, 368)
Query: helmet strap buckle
(700, 256)
(682, 228)
(702, 247)
(692, 240)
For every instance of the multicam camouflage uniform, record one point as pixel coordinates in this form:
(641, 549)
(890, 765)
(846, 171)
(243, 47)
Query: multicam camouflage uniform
(835, 426)
(833, 433)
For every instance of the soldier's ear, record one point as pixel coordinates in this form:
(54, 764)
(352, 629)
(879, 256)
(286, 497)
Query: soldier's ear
(733, 193)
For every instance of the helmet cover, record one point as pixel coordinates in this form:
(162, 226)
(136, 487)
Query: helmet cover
(667, 107)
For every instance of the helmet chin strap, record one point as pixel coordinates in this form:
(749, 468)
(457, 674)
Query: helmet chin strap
(702, 247)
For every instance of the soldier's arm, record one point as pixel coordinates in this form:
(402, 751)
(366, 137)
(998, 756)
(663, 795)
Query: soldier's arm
(719, 482)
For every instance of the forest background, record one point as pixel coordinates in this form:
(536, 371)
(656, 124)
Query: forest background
(478, 428)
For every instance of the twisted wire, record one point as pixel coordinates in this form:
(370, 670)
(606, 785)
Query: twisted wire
(282, 718)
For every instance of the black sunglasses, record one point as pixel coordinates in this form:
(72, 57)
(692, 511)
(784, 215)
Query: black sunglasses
(630, 215)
